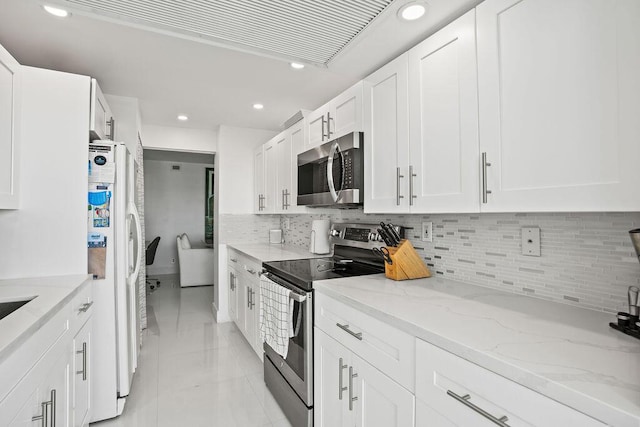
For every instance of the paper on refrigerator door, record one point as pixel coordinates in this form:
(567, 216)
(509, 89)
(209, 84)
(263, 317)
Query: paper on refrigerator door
(100, 205)
(97, 247)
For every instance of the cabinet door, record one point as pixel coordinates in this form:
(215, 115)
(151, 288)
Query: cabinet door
(443, 104)
(233, 294)
(345, 113)
(250, 329)
(559, 104)
(283, 172)
(101, 125)
(53, 393)
(10, 97)
(316, 125)
(330, 381)
(381, 402)
(81, 373)
(297, 136)
(386, 123)
(271, 200)
(258, 179)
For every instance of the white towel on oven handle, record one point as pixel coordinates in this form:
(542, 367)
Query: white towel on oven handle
(276, 315)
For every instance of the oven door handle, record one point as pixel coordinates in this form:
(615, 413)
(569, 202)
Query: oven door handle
(335, 148)
(294, 295)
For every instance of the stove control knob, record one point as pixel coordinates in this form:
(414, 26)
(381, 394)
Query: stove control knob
(334, 233)
(373, 237)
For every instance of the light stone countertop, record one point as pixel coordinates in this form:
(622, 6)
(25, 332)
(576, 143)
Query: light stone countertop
(51, 294)
(274, 252)
(566, 353)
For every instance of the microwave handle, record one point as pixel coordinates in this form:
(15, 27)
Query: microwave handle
(335, 148)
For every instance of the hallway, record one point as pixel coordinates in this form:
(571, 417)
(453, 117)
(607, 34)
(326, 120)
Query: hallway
(194, 372)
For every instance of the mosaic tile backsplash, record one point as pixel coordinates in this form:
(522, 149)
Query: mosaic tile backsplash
(586, 260)
(240, 228)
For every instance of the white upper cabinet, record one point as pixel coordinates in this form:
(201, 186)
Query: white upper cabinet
(101, 121)
(386, 124)
(10, 109)
(258, 179)
(270, 201)
(559, 99)
(421, 121)
(336, 118)
(443, 104)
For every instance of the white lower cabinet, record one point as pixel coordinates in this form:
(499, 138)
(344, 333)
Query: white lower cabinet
(454, 392)
(244, 297)
(53, 370)
(348, 391)
(81, 373)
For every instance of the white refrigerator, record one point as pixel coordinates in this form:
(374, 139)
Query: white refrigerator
(115, 249)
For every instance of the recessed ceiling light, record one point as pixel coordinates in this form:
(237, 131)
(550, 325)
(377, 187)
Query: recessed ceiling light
(258, 106)
(412, 11)
(183, 118)
(297, 66)
(55, 11)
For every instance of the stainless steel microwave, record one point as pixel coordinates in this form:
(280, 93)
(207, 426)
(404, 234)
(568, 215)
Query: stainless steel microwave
(332, 174)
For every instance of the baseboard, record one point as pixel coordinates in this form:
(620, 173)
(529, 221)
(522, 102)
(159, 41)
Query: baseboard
(220, 317)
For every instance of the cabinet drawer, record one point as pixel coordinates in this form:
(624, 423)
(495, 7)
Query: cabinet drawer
(81, 307)
(244, 264)
(441, 376)
(385, 347)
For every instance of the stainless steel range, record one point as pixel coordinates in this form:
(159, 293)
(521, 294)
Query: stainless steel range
(290, 379)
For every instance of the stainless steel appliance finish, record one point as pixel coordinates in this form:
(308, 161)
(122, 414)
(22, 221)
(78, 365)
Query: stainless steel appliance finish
(333, 173)
(290, 379)
(635, 239)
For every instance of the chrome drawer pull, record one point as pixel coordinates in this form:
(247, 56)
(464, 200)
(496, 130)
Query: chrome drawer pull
(346, 329)
(340, 388)
(84, 361)
(233, 259)
(85, 307)
(465, 401)
(352, 398)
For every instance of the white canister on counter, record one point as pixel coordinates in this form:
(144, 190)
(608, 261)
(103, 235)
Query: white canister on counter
(275, 236)
(320, 236)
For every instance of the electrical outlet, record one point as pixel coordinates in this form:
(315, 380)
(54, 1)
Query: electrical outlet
(173, 260)
(427, 231)
(530, 241)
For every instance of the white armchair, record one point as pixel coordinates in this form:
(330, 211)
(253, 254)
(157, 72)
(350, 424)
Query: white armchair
(196, 264)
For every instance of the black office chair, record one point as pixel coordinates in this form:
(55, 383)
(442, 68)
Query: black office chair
(150, 254)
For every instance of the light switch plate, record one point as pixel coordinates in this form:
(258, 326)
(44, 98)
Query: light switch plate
(427, 231)
(530, 241)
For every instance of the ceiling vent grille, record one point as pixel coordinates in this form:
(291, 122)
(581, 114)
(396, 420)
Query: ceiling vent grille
(312, 31)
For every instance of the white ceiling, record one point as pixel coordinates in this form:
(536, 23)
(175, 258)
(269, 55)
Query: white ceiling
(173, 73)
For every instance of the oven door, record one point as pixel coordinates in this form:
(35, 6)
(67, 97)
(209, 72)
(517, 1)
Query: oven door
(297, 368)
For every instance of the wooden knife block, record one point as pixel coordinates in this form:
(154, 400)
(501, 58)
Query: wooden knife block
(407, 264)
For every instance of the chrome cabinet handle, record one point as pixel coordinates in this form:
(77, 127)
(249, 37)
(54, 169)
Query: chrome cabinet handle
(53, 407)
(250, 270)
(84, 361)
(323, 123)
(43, 416)
(286, 198)
(352, 398)
(465, 401)
(484, 166)
(231, 284)
(248, 298)
(398, 195)
(111, 124)
(411, 195)
(341, 389)
(85, 307)
(282, 199)
(233, 259)
(346, 329)
(329, 131)
(253, 301)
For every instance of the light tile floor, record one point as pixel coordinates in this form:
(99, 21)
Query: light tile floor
(193, 371)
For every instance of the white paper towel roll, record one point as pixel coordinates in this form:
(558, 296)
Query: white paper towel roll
(320, 236)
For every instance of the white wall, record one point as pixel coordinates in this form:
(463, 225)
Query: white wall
(177, 138)
(47, 236)
(234, 195)
(126, 111)
(174, 204)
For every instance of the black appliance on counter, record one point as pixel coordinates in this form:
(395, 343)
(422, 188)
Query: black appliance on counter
(290, 380)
